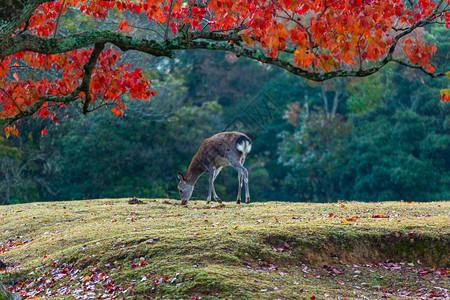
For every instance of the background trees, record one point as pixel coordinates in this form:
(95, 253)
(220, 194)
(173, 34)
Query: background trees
(387, 139)
(315, 39)
(384, 137)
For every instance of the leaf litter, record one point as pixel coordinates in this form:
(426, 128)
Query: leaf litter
(74, 249)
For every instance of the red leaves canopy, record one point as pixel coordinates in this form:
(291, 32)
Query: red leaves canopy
(315, 39)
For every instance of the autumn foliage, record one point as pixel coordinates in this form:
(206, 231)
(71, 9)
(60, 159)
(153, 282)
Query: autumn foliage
(315, 39)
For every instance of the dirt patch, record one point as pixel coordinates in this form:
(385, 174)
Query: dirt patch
(135, 200)
(427, 250)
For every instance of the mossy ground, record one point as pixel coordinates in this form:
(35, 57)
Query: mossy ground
(274, 250)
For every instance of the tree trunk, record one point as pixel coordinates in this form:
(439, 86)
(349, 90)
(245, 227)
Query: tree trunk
(337, 94)
(8, 189)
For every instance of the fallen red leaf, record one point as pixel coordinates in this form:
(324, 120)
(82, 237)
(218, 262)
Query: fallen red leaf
(380, 216)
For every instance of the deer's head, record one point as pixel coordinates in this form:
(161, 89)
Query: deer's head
(184, 188)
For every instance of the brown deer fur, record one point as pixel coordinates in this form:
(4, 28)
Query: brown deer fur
(220, 150)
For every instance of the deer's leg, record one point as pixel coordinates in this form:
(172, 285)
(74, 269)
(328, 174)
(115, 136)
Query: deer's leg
(216, 172)
(244, 173)
(240, 182)
(211, 186)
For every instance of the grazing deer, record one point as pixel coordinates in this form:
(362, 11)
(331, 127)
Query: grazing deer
(220, 150)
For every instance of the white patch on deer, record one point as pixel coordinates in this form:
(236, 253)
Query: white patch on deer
(217, 171)
(244, 147)
(248, 146)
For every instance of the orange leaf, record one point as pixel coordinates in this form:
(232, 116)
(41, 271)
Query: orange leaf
(7, 131)
(123, 25)
(115, 111)
(352, 219)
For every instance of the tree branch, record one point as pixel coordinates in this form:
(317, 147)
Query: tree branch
(32, 109)
(14, 13)
(418, 67)
(83, 87)
(12, 99)
(45, 45)
(57, 19)
(229, 41)
(169, 17)
(213, 41)
(88, 69)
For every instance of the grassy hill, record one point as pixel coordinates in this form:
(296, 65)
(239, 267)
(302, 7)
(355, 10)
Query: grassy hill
(159, 249)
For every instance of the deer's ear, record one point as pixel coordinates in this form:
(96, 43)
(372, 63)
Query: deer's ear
(181, 176)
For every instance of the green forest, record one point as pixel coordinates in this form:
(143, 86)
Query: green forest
(378, 138)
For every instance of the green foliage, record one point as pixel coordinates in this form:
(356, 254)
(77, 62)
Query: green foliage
(439, 35)
(398, 149)
(18, 180)
(386, 165)
(8, 151)
(312, 154)
(367, 93)
(105, 156)
(384, 137)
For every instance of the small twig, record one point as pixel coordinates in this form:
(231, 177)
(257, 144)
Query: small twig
(311, 46)
(25, 27)
(169, 17)
(138, 27)
(359, 54)
(57, 18)
(149, 29)
(447, 60)
(419, 67)
(12, 99)
(21, 67)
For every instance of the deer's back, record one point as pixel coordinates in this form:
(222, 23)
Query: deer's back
(222, 148)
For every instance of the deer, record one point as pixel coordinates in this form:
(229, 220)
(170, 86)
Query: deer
(220, 150)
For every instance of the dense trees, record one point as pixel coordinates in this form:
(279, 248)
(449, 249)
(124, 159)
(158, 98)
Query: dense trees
(315, 39)
(386, 140)
(391, 144)
(384, 137)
